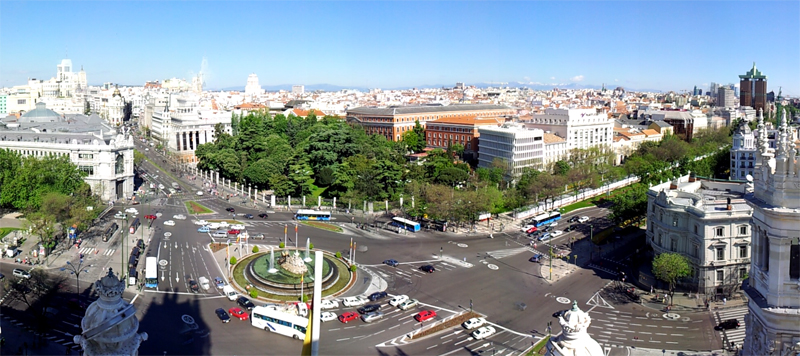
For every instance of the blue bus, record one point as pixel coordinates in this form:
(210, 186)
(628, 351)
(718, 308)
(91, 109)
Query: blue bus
(546, 218)
(304, 214)
(405, 224)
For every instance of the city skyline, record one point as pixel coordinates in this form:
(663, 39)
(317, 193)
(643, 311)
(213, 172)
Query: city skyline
(637, 45)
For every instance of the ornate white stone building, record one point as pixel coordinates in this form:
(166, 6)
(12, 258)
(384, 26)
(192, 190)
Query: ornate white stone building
(112, 108)
(253, 88)
(574, 339)
(743, 152)
(581, 128)
(183, 125)
(708, 223)
(773, 321)
(89, 142)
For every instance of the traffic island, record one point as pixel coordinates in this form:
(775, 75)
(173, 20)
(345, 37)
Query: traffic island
(323, 226)
(195, 208)
(444, 324)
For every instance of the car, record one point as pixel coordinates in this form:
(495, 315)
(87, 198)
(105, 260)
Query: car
(237, 312)
(179, 217)
(169, 223)
(728, 324)
(245, 303)
(531, 230)
(204, 283)
(219, 283)
(146, 149)
(259, 236)
(21, 273)
(327, 316)
(132, 211)
(549, 229)
(223, 224)
(203, 229)
(263, 216)
(199, 192)
(76, 304)
(120, 216)
(370, 317)
(222, 315)
(554, 223)
(230, 210)
(483, 332)
(249, 216)
(377, 295)
(408, 304)
(2, 276)
(583, 219)
(234, 231)
(160, 186)
(527, 227)
(328, 304)
(534, 234)
(427, 268)
(369, 308)
(237, 227)
(193, 286)
(573, 219)
(425, 315)
(348, 316)
(391, 262)
(546, 236)
(398, 299)
(172, 191)
(536, 258)
(473, 323)
(557, 233)
(354, 301)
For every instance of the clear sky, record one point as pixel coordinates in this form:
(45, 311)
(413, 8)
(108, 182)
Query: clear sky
(672, 45)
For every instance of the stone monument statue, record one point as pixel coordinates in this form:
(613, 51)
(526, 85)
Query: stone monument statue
(574, 340)
(110, 326)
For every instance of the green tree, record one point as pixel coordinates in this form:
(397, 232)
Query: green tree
(253, 293)
(233, 260)
(38, 290)
(255, 249)
(561, 168)
(668, 267)
(138, 158)
(87, 109)
(630, 204)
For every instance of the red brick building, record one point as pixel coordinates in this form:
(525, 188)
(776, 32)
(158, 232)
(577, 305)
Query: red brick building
(442, 133)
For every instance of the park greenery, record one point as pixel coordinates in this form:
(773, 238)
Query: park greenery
(296, 156)
(668, 267)
(49, 191)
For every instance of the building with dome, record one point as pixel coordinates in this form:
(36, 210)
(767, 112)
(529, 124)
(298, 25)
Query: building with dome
(62, 93)
(743, 152)
(574, 339)
(112, 108)
(773, 287)
(98, 149)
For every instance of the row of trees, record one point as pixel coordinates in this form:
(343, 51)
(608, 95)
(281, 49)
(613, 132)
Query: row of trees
(50, 191)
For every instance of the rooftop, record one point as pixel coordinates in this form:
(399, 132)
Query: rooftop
(424, 109)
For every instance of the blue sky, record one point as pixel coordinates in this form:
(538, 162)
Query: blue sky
(671, 45)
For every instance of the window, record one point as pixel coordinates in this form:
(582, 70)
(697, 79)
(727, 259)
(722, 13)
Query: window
(720, 253)
(743, 251)
(743, 230)
(696, 251)
(794, 259)
(21, 101)
(673, 245)
(720, 276)
(88, 169)
(720, 231)
(674, 221)
(85, 155)
(742, 273)
(695, 229)
(659, 239)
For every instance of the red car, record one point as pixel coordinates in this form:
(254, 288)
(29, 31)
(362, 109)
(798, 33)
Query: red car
(531, 230)
(150, 217)
(238, 313)
(348, 316)
(234, 231)
(425, 315)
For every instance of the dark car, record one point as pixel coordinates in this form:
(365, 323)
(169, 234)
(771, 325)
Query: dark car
(222, 315)
(535, 234)
(573, 219)
(262, 215)
(249, 216)
(536, 258)
(427, 268)
(727, 324)
(193, 286)
(369, 308)
(377, 295)
(245, 303)
(230, 210)
(391, 262)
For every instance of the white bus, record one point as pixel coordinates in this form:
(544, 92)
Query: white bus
(279, 322)
(304, 214)
(151, 272)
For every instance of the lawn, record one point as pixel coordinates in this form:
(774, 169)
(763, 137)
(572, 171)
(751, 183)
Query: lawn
(197, 208)
(539, 348)
(576, 206)
(322, 225)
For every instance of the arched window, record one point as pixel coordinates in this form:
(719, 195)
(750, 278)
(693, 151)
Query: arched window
(119, 168)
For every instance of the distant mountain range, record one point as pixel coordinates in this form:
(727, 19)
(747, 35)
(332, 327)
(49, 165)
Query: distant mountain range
(334, 88)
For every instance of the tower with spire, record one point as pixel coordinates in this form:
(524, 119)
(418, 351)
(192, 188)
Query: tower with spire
(753, 89)
(773, 286)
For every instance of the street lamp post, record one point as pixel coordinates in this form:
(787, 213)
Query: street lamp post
(76, 270)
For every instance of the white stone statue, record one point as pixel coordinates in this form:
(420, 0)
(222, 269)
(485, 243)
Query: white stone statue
(574, 339)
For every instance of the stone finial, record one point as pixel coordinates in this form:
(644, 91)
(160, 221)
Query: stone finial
(109, 287)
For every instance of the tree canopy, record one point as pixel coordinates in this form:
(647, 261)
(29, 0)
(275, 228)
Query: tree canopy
(668, 267)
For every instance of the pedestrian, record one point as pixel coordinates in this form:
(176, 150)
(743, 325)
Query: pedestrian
(651, 289)
(724, 301)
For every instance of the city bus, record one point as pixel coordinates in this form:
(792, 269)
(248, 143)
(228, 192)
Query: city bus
(406, 224)
(545, 218)
(279, 322)
(134, 225)
(151, 272)
(304, 214)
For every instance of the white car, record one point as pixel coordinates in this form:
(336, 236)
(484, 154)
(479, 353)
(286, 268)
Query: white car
(328, 304)
(583, 219)
(169, 223)
(557, 233)
(354, 301)
(237, 227)
(179, 217)
(408, 304)
(327, 316)
(120, 216)
(398, 299)
(160, 186)
(526, 228)
(224, 224)
(132, 211)
(201, 222)
(483, 332)
(199, 192)
(554, 223)
(473, 323)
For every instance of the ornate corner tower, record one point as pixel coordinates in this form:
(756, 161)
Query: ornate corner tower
(773, 321)
(109, 326)
(574, 340)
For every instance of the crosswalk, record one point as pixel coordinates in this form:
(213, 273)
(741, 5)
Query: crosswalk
(497, 254)
(729, 336)
(94, 250)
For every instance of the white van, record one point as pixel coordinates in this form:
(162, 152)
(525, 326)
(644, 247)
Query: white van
(220, 234)
(229, 292)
